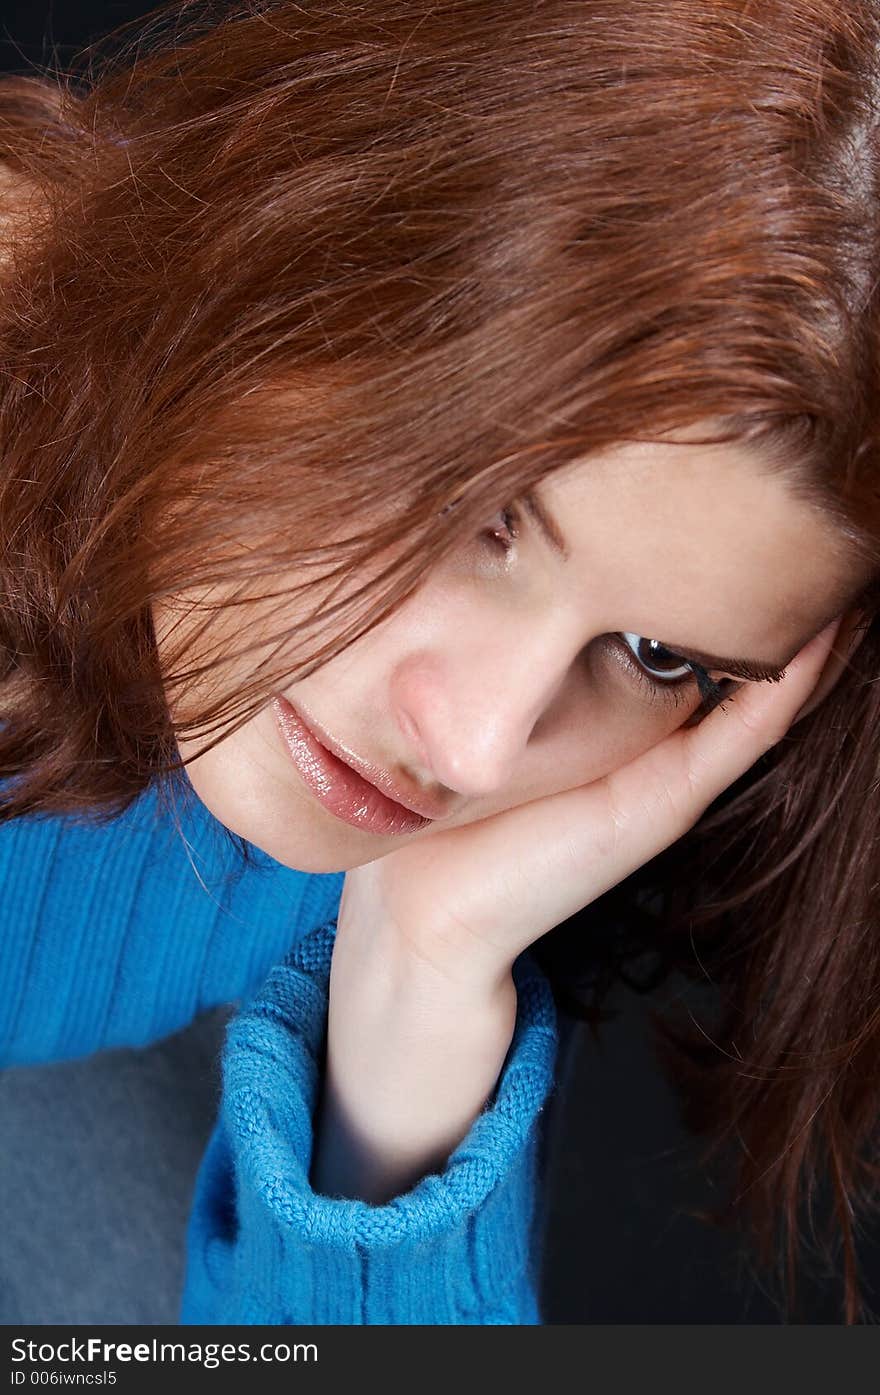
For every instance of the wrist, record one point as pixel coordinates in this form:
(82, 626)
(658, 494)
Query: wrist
(421, 949)
(412, 1060)
(438, 965)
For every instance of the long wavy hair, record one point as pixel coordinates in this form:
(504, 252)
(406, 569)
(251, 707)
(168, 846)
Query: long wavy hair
(304, 275)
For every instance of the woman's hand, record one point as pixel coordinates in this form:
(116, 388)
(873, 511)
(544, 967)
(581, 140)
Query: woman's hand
(422, 1000)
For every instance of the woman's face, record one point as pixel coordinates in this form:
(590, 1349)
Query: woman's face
(507, 677)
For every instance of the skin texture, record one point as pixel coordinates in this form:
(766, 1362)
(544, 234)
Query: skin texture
(500, 682)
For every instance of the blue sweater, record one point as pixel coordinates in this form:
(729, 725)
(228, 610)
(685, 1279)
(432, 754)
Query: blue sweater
(118, 933)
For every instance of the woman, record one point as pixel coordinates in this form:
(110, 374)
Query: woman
(417, 420)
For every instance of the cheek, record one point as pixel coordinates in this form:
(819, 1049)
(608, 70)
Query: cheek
(609, 719)
(639, 726)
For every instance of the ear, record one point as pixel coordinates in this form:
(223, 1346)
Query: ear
(847, 640)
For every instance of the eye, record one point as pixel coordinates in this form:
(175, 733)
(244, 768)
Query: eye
(667, 672)
(502, 530)
(659, 663)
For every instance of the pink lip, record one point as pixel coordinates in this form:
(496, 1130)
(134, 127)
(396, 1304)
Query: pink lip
(344, 784)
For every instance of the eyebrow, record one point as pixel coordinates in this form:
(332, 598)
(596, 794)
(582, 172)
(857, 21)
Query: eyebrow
(753, 670)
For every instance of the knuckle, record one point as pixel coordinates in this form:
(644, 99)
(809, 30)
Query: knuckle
(614, 828)
(680, 806)
(698, 774)
(703, 784)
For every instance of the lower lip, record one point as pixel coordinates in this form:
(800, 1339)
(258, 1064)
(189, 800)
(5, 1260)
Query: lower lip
(336, 786)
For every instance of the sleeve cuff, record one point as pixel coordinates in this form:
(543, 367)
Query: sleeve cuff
(459, 1247)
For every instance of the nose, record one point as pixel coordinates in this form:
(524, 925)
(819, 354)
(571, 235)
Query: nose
(467, 720)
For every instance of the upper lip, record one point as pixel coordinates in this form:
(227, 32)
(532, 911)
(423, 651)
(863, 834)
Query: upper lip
(417, 801)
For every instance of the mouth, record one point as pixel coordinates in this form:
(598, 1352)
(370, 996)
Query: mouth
(348, 787)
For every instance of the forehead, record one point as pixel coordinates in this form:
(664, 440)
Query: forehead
(702, 539)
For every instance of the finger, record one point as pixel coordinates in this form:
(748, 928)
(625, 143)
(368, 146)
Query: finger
(718, 751)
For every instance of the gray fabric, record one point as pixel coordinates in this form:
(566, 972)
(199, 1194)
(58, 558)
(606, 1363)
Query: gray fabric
(97, 1164)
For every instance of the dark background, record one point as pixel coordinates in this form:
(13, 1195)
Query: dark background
(622, 1175)
(43, 31)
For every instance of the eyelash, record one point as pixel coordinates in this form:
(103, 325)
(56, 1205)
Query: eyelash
(711, 692)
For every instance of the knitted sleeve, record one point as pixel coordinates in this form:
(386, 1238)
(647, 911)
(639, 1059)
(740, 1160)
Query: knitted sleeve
(460, 1247)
